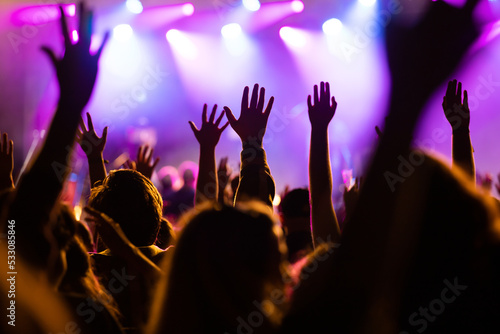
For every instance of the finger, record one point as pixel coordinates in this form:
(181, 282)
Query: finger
(139, 153)
(224, 127)
(459, 93)
(244, 99)
(253, 101)
(157, 160)
(149, 154)
(89, 122)
(64, 28)
(466, 100)
(449, 89)
(309, 105)
(217, 122)
(377, 130)
(104, 135)
(322, 96)
(212, 115)
(79, 136)
(193, 127)
(204, 114)
(51, 55)
(85, 26)
(104, 42)
(82, 125)
(316, 100)
(334, 102)
(262, 97)
(11, 149)
(230, 117)
(327, 91)
(269, 106)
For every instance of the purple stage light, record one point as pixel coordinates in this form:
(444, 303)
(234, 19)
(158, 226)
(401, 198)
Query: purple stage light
(251, 5)
(38, 15)
(297, 6)
(188, 9)
(134, 6)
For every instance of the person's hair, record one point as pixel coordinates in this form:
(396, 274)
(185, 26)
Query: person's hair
(226, 261)
(133, 202)
(296, 204)
(166, 235)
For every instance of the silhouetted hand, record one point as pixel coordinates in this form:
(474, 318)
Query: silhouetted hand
(321, 113)
(77, 69)
(91, 144)
(209, 133)
(456, 112)
(143, 164)
(251, 126)
(433, 47)
(6, 162)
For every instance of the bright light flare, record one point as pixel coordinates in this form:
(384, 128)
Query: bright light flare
(70, 10)
(252, 5)
(367, 3)
(188, 9)
(123, 32)
(182, 44)
(231, 30)
(276, 200)
(293, 37)
(74, 36)
(332, 27)
(134, 6)
(297, 6)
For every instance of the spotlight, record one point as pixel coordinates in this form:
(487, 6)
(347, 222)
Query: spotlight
(123, 32)
(188, 9)
(134, 6)
(297, 6)
(74, 36)
(231, 30)
(182, 44)
(332, 27)
(293, 37)
(252, 5)
(70, 10)
(367, 3)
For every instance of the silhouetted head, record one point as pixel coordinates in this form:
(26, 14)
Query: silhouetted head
(295, 204)
(188, 177)
(226, 260)
(133, 202)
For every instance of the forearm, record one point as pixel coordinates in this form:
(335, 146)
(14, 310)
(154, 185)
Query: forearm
(256, 181)
(6, 183)
(323, 219)
(97, 169)
(462, 152)
(206, 185)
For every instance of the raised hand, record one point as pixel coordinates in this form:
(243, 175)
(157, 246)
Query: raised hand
(91, 144)
(143, 164)
(456, 112)
(6, 162)
(321, 113)
(251, 126)
(77, 69)
(209, 133)
(444, 48)
(350, 197)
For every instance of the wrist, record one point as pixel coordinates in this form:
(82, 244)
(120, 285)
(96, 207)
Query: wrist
(95, 157)
(461, 131)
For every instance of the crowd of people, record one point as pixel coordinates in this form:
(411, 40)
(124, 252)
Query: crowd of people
(415, 249)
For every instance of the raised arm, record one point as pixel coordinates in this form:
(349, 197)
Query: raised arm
(256, 181)
(223, 176)
(208, 136)
(324, 224)
(6, 163)
(93, 146)
(458, 115)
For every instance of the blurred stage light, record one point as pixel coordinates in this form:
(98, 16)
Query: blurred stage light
(74, 36)
(293, 37)
(231, 30)
(252, 5)
(134, 6)
(188, 9)
(182, 44)
(297, 6)
(332, 27)
(367, 3)
(123, 32)
(70, 10)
